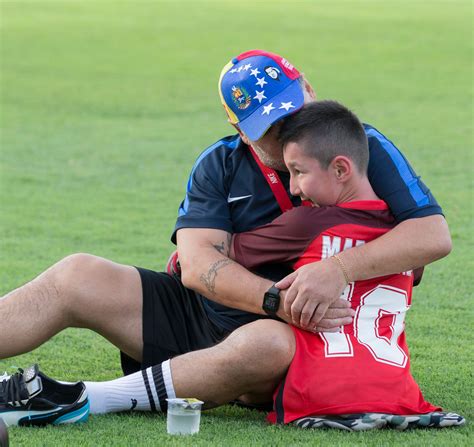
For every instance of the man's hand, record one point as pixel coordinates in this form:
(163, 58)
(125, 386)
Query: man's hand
(312, 289)
(338, 314)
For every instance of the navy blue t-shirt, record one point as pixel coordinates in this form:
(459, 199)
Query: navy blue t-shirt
(227, 191)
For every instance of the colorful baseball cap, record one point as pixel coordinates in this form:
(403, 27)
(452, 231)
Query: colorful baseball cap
(257, 89)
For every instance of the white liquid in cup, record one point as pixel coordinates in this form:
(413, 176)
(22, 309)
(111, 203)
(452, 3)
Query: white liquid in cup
(184, 416)
(183, 424)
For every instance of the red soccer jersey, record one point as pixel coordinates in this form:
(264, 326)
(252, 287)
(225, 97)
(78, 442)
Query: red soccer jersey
(365, 367)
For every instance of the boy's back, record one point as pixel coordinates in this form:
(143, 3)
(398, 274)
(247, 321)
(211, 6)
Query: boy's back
(365, 368)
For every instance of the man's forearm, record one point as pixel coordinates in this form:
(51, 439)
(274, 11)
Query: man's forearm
(207, 269)
(223, 280)
(411, 244)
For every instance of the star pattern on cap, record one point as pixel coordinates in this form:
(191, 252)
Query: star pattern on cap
(267, 109)
(261, 81)
(287, 105)
(254, 72)
(241, 94)
(260, 96)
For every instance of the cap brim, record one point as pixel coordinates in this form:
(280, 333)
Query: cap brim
(256, 124)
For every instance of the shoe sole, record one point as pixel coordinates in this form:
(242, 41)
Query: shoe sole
(58, 416)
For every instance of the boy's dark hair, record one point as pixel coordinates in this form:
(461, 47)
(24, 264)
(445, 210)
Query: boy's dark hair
(326, 129)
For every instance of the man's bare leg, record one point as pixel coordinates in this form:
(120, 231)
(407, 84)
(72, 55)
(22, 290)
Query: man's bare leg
(79, 291)
(248, 364)
(91, 292)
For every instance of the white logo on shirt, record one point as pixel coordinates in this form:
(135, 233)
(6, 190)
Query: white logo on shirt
(234, 199)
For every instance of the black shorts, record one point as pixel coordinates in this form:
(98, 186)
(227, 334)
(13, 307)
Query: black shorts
(174, 321)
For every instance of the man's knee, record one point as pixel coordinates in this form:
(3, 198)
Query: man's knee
(71, 271)
(98, 294)
(264, 347)
(71, 278)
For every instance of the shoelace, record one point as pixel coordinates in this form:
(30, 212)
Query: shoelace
(10, 389)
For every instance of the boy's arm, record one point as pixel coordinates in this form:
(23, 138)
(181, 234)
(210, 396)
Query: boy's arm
(282, 241)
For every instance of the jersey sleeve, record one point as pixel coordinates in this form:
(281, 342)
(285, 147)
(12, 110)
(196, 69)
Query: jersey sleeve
(205, 204)
(395, 181)
(282, 241)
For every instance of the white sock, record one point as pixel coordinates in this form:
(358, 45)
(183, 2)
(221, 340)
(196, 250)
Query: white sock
(145, 390)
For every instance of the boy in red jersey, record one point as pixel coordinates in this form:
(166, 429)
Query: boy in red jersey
(363, 368)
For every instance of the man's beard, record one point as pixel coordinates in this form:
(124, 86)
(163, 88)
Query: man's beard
(272, 162)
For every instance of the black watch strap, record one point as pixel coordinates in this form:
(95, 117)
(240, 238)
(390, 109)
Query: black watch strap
(271, 301)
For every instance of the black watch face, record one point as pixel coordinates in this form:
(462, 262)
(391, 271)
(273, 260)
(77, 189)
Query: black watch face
(272, 303)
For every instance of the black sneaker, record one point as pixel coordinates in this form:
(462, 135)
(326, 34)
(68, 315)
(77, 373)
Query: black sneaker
(29, 397)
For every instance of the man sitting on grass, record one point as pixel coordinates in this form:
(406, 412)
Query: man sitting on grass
(236, 352)
(363, 368)
(354, 379)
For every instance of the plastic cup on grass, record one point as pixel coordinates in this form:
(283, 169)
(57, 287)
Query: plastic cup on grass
(184, 416)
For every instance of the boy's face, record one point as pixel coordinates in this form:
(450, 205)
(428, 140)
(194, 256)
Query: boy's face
(308, 179)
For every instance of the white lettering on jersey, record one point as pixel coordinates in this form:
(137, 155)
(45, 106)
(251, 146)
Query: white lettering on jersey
(332, 245)
(338, 344)
(386, 301)
(378, 324)
(348, 243)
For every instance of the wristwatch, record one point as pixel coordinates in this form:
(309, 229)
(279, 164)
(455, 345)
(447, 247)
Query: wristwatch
(271, 301)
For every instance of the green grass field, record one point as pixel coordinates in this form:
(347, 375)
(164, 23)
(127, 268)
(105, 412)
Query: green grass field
(104, 107)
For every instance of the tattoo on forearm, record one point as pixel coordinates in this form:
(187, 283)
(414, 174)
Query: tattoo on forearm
(224, 246)
(220, 248)
(209, 279)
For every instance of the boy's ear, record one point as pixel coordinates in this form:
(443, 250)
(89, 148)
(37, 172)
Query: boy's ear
(342, 168)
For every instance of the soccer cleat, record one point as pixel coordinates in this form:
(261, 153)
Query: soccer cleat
(370, 421)
(29, 397)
